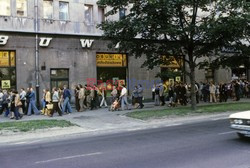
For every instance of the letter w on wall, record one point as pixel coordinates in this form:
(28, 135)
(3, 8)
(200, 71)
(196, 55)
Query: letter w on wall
(86, 43)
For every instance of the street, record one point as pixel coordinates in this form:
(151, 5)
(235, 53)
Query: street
(210, 144)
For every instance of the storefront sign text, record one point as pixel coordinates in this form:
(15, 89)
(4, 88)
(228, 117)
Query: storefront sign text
(86, 43)
(3, 40)
(44, 42)
(111, 60)
(5, 84)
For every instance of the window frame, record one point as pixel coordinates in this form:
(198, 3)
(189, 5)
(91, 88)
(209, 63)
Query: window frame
(10, 6)
(24, 10)
(92, 13)
(67, 19)
(52, 10)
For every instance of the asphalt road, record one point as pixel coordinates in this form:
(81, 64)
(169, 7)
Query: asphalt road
(209, 144)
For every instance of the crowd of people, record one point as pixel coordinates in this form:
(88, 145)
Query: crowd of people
(179, 93)
(16, 104)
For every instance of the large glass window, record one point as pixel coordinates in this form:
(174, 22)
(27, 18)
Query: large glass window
(48, 9)
(21, 8)
(63, 10)
(89, 13)
(8, 69)
(5, 7)
(59, 78)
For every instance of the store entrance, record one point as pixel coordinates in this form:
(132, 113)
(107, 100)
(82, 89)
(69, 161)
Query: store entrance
(8, 70)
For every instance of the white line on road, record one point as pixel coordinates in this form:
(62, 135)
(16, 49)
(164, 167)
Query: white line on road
(26, 142)
(68, 157)
(224, 133)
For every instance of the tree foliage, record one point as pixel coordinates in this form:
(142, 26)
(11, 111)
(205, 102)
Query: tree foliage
(185, 29)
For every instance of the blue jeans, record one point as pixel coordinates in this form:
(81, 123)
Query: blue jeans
(124, 101)
(32, 106)
(16, 112)
(66, 106)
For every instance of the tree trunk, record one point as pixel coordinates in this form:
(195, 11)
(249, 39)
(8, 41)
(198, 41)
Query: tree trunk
(193, 94)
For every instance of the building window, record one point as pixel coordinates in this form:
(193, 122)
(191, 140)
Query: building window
(21, 8)
(101, 14)
(122, 13)
(89, 13)
(59, 78)
(5, 7)
(48, 9)
(63, 10)
(8, 69)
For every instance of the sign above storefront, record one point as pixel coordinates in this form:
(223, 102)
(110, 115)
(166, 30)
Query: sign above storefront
(111, 60)
(3, 39)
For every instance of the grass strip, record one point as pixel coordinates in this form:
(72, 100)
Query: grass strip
(182, 111)
(25, 126)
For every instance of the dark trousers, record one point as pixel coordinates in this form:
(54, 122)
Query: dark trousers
(153, 95)
(16, 113)
(93, 104)
(23, 106)
(140, 102)
(26, 111)
(162, 98)
(77, 104)
(5, 106)
(56, 108)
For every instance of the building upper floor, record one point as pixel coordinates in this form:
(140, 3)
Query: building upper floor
(77, 17)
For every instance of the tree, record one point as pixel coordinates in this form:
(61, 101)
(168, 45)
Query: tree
(184, 29)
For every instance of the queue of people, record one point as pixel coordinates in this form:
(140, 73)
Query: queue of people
(179, 93)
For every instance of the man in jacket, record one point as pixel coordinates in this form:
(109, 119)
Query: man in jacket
(32, 103)
(140, 95)
(66, 100)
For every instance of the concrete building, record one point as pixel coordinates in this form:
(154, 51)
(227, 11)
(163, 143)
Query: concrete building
(69, 47)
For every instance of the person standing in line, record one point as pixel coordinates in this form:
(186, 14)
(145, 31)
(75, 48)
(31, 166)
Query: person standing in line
(1, 100)
(81, 98)
(162, 97)
(27, 100)
(47, 101)
(124, 97)
(157, 96)
(32, 103)
(104, 95)
(92, 97)
(23, 99)
(114, 94)
(135, 97)
(18, 104)
(140, 95)
(55, 101)
(212, 90)
(43, 102)
(5, 105)
(153, 92)
(77, 100)
(66, 100)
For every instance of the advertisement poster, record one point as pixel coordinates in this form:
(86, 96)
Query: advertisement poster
(177, 78)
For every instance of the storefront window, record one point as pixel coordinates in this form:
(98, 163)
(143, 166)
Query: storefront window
(7, 70)
(48, 9)
(5, 7)
(59, 77)
(122, 13)
(111, 68)
(89, 13)
(63, 10)
(21, 8)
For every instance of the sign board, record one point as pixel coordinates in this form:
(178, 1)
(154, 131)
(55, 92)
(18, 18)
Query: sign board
(4, 59)
(5, 84)
(177, 78)
(111, 60)
(170, 62)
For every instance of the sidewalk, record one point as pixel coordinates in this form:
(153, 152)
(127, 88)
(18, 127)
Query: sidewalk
(102, 121)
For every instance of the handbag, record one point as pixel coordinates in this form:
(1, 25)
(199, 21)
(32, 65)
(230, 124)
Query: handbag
(19, 103)
(49, 106)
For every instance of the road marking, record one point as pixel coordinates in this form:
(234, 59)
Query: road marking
(224, 133)
(26, 142)
(68, 157)
(216, 119)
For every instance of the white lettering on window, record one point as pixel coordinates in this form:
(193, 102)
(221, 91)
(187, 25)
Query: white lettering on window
(86, 43)
(44, 42)
(3, 40)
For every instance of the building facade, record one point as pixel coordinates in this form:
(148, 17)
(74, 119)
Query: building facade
(69, 47)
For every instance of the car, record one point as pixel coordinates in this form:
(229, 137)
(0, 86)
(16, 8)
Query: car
(241, 123)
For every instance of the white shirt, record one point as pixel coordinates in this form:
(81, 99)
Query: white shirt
(124, 92)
